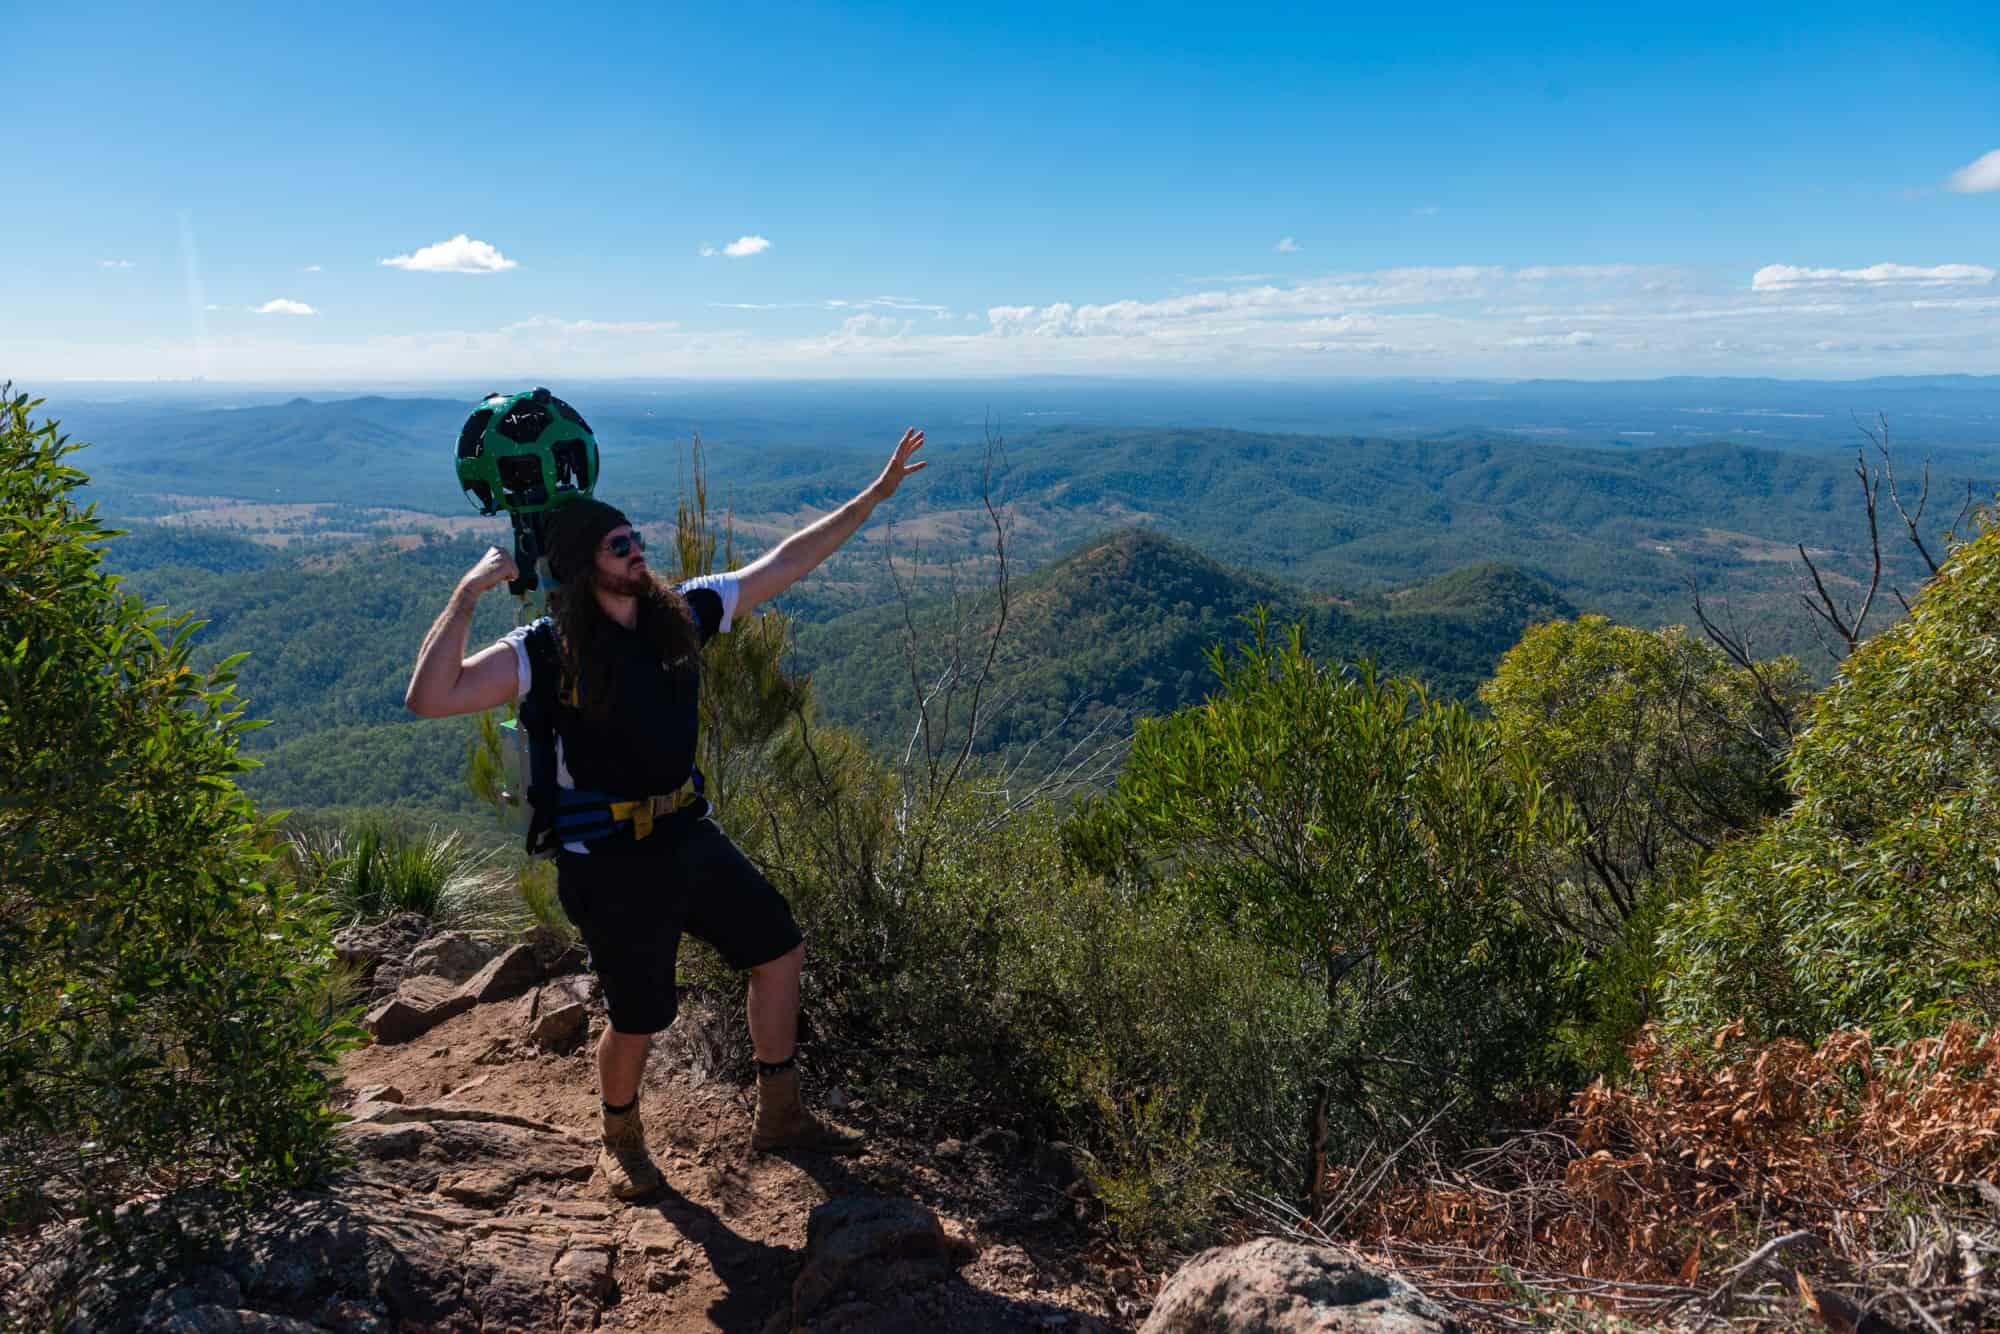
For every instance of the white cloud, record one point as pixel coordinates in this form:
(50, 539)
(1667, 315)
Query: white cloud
(1540, 272)
(1287, 246)
(114, 264)
(211, 306)
(904, 303)
(310, 268)
(1977, 177)
(281, 306)
(1574, 338)
(707, 252)
(1785, 277)
(1583, 320)
(744, 246)
(461, 254)
(548, 324)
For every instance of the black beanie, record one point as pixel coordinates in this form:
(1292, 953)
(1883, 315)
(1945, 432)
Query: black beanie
(574, 534)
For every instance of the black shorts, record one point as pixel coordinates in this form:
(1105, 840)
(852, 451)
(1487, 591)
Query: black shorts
(633, 907)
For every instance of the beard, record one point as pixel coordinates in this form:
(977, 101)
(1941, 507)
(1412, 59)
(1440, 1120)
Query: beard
(631, 583)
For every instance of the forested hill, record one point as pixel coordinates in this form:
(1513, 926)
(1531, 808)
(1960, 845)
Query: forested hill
(1119, 627)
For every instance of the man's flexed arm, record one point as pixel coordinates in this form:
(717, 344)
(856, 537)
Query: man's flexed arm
(446, 681)
(792, 559)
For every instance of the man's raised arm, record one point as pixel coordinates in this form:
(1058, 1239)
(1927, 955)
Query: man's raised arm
(446, 682)
(795, 557)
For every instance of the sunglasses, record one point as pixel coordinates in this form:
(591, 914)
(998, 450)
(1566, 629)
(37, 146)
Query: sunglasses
(626, 543)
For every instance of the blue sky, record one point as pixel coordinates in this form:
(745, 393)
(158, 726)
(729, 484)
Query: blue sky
(1741, 189)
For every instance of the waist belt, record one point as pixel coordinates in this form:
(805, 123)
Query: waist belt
(584, 817)
(645, 810)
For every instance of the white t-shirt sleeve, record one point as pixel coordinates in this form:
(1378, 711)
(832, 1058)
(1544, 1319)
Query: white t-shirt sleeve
(724, 586)
(524, 675)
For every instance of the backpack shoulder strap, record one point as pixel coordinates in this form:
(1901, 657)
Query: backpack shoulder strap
(544, 674)
(538, 719)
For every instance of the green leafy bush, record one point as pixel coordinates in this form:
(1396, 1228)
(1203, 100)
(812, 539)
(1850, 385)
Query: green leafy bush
(1874, 901)
(1372, 837)
(1660, 749)
(163, 1003)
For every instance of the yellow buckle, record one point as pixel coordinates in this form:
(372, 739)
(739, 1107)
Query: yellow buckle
(642, 811)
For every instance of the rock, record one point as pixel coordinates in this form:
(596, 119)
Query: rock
(555, 952)
(999, 1141)
(561, 1029)
(397, 1232)
(380, 1093)
(870, 1245)
(510, 1272)
(653, 1235)
(583, 988)
(1055, 1163)
(419, 1005)
(401, 1141)
(504, 978)
(452, 955)
(482, 1190)
(440, 1111)
(206, 1298)
(586, 1269)
(222, 1320)
(367, 943)
(352, 1317)
(1273, 1286)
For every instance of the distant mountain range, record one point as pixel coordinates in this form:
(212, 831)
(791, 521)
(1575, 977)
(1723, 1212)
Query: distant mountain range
(1114, 630)
(1619, 530)
(1119, 629)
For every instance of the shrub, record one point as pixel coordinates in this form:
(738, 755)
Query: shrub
(368, 870)
(163, 1001)
(1874, 901)
(1372, 837)
(1658, 1189)
(1660, 748)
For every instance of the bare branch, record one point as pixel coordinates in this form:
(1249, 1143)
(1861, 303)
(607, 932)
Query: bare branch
(1910, 521)
(1735, 645)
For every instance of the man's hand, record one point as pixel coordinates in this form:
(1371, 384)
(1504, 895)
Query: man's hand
(496, 567)
(899, 465)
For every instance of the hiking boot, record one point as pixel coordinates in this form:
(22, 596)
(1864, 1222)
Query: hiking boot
(628, 1169)
(784, 1123)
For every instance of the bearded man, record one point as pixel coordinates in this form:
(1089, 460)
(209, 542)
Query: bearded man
(639, 857)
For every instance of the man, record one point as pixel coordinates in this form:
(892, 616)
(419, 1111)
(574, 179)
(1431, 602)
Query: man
(640, 859)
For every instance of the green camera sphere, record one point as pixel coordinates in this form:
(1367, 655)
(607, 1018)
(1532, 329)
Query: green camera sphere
(525, 453)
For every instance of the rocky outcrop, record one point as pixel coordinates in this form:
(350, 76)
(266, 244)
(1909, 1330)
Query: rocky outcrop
(366, 945)
(420, 1234)
(1272, 1286)
(422, 1003)
(453, 955)
(467, 1207)
(419, 1005)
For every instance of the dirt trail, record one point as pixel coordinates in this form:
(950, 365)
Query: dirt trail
(721, 1247)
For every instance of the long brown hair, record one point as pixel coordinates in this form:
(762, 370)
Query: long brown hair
(582, 629)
